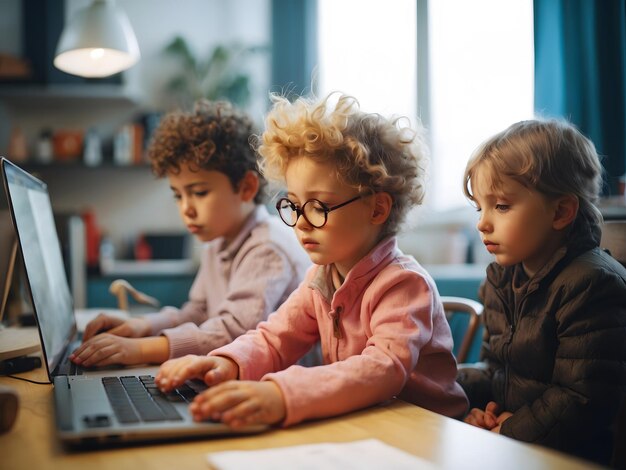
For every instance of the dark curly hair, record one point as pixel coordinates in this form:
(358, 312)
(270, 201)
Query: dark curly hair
(214, 136)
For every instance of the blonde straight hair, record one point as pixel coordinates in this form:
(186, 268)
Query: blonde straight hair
(548, 156)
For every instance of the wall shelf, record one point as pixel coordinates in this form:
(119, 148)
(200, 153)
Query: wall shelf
(42, 95)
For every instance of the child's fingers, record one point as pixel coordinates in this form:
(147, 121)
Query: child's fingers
(503, 417)
(212, 403)
(492, 408)
(121, 330)
(475, 418)
(173, 374)
(254, 418)
(219, 394)
(91, 352)
(94, 326)
(102, 356)
(242, 412)
(222, 370)
(490, 417)
(214, 377)
(190, 369)
(170, 373)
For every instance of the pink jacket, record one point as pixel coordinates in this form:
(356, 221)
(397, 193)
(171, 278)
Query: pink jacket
(383, 333)
(236, 287)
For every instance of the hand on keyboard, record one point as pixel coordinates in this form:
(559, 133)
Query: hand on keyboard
(211, 369)
(106, 349)
(240, 403)
(131, 327)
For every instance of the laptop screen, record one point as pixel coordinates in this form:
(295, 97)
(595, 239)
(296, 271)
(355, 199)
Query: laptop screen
(34, 223)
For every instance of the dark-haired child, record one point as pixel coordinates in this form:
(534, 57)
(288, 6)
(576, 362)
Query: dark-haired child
(250, 264)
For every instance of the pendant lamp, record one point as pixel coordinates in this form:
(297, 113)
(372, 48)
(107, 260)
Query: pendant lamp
(98, 41)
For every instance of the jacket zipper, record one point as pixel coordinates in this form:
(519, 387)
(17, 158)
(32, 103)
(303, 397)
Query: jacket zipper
(337, 323)
(511, 318)
(513, 324)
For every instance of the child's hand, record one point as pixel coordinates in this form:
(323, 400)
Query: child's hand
(105, 349)
(240, 403)
(501, 419)
(211, 369)
(130, 328)
(484, 419)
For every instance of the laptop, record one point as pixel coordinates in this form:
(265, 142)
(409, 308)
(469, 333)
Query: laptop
(104, 405)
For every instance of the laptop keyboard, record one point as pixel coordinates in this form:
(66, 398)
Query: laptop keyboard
(135, 399)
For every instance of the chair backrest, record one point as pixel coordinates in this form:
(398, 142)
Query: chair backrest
(614, 239)
(471, 308)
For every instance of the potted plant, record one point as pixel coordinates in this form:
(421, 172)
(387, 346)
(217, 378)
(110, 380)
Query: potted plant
(220, 76)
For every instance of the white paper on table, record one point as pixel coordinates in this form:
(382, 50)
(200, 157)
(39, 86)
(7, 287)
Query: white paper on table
(364, 454)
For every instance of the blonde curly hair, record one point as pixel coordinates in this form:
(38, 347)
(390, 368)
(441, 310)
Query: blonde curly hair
(370, 152)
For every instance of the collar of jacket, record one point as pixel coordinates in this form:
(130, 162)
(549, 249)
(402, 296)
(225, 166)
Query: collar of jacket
(366, 268)
(500, 276)
(258, 215)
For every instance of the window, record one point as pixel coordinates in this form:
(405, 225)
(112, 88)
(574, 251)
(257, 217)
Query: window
(367, 49)
(480, 71)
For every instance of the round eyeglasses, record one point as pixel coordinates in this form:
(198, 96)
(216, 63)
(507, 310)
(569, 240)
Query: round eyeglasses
(314, 211)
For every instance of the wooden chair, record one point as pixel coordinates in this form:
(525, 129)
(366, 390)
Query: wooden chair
(121, 289)
(471, 308)
(614, 239)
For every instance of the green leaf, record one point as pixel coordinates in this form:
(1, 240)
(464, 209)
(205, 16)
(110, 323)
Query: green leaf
(177, 85)
(180, 48)
(238, 91)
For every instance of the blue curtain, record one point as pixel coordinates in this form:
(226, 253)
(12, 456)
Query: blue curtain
(294, 45)
(580, 72)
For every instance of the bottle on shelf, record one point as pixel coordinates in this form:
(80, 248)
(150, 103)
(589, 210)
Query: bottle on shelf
(92, 153)
(45, 150)
(18, 149)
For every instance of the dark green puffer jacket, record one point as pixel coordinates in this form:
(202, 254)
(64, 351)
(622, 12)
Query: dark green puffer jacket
(554, 351)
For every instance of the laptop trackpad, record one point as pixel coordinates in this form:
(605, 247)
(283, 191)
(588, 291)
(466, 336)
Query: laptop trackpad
(89, 397)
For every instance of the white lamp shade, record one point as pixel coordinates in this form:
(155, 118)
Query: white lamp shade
(99, 41)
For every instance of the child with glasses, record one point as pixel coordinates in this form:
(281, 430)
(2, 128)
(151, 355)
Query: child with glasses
(554, 361)
(250, 263)
(350, 178)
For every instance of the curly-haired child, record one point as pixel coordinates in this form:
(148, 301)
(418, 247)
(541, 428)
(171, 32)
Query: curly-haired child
(350, 177)
(250, 264)
(553, 366)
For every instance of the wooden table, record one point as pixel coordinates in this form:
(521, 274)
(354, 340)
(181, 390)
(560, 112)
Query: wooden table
(449, 444)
